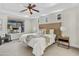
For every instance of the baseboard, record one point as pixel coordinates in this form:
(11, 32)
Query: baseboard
(74, 46)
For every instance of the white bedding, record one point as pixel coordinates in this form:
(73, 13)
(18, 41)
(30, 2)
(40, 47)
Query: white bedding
(38, 43)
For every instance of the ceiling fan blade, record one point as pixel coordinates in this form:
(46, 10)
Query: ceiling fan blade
(23, 10)
(33, 6)
(35, 10)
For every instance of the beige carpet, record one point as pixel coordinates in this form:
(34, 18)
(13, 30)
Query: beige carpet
(16, 48)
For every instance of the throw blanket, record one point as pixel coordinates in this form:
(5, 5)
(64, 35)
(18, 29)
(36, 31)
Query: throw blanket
(47, 39)
(37, 42)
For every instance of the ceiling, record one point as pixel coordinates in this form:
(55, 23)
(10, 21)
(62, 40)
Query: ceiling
(44, 8)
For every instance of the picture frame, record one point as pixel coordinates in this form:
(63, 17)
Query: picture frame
(59, 17)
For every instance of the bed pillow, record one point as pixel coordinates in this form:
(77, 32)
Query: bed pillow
(51, 31)
(50, 35)
(42, 31)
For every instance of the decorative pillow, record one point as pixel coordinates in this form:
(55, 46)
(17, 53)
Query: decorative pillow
(51, 31)
(42, 31)
(47, 32)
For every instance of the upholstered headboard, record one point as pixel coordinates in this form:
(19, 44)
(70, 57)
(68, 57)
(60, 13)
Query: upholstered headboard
(55, 26)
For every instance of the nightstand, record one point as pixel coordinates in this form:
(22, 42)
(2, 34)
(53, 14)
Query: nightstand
(63, 41)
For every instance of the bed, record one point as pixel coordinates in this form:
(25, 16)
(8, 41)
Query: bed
(41, 40)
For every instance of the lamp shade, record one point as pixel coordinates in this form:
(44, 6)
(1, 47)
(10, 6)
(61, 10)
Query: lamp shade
(63, 31)
(62, 28)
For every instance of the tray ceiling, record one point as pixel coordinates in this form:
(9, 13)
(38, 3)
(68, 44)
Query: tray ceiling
(44, 8)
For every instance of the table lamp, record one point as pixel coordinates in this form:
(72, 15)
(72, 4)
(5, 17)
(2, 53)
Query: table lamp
(63, 29)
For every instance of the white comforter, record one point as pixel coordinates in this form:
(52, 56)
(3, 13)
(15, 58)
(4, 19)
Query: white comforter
(38, 44)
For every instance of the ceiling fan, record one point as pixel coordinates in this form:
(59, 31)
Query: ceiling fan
(30, 7)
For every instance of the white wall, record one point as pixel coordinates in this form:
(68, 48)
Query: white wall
(77, 24)
(51, 18)
(34, 24)
(3, 29)
(27, 25)
(69, 18)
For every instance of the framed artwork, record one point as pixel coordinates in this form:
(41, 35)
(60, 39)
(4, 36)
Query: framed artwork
(59, 17)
